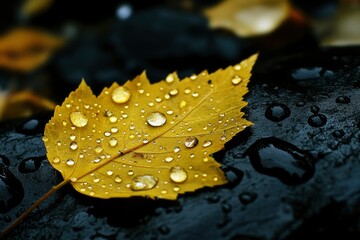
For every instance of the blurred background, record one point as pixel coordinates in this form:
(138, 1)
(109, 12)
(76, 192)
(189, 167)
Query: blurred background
(48, 46)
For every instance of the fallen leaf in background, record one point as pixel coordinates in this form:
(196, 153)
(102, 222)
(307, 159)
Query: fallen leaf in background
(22, 104)
(248, 18)
(25, 49)
(342, 28)
(33, 7)
(149, 140)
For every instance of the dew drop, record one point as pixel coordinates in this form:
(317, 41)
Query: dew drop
(236, 80)
(113, 119)
(109, 173)
(277, 158)
(169, 159)
(187, 91)
(72, 137)
(176, 189)
(178, 174)
(78, 119)
(277, 112)
(191, 142)
(114, 129)
(70, 162)
(176, 149)
(117, 179)
(163, 192)
(182, 104)
(193, 77)
(173, 92)
(107, 134)
(170, 112)
(207, 143)
(143, 182)
(195, 94)
(131, 172)
(73, 179)
(56, 160)
(98, 149)
(156, 119)
(113, 142)
(237, 67)
(121, 95)
(317, 120)
(73, 146)
(45, 139)
(170, 78)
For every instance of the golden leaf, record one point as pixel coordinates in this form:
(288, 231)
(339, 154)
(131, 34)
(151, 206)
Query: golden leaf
(248, 18)
(33, 7)
(25, 49)
(143, 139)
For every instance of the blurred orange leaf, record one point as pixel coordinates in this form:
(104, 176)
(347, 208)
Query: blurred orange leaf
(25, 49)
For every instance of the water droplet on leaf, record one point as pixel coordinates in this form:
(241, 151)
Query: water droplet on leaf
(236, 80)
(70, 162)
(78, 119)
(178, 174)
(121, 95)
(143, 182)
(156, 119)
(207, 143)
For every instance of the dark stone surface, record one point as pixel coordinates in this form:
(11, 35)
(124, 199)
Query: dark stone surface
(253, 205)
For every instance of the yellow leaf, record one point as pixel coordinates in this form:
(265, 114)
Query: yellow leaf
(143, 139)
(33, 7)
(248, 18)
(25, 49)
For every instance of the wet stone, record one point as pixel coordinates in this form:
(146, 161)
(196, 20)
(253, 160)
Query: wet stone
(11, 190)
(338, 133)
(4, 160)
(277, 112)
(277, 158)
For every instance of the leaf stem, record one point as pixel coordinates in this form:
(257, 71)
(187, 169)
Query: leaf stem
(30, 209)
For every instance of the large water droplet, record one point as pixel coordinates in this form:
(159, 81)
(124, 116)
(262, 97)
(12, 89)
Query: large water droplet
(143, 182)
(178, 174)
(277, 112)
(11, 190)
(73, 146)
(78, 119)
(35, 125)
(277, 158)
(317, 120)
(207, 143)
(30, 164)
(156, 119)
(70, 162)
(191, 142)
(233, 175)
(121, 95)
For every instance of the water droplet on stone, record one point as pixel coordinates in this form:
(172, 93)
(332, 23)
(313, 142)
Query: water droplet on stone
(236, 80)
(277, 158)
(163, 229)
(121, 95)
(11, 190)
(277, 112)
(78, 119)
(300, 104)
(191, 142)
(338, 133)
(207, 143)
(143, 182)
(343, 99)
(178, 174)
(314, 109)
(156, 119)
(247, 197)
(30, 164)
(73, 146)
(70, 162)
(317, 120)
